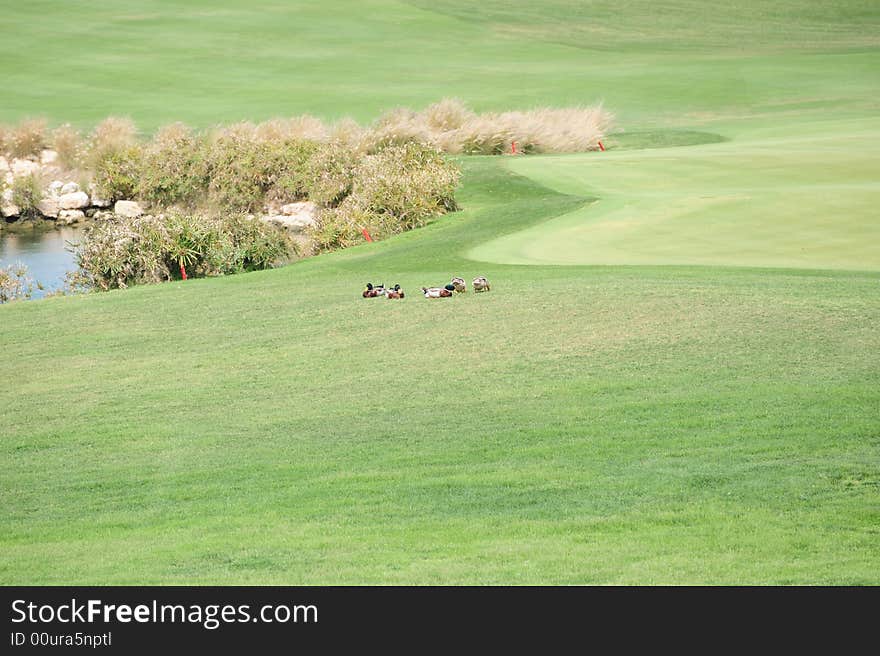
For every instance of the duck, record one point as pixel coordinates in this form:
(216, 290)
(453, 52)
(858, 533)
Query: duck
(481, 284)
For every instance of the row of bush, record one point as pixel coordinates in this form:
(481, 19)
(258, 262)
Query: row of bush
(448, 125)
(387, 188)
(149, 249)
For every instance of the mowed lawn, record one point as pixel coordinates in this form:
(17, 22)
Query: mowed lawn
(690, 396)
(803, 196)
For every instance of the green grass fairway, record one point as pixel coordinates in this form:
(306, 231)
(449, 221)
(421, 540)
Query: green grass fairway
(807, 197)
(693, 398)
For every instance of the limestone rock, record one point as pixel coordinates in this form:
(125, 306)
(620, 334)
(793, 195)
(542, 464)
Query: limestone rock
(48, 157)
(128, 209)
(102, 215)
(296, 217)
(69, 188)
(304, 208)
(68, 217)
(7, 207)
(55, 187)
(23, 167)
(292, 223)
(74, 201)
(49, 207)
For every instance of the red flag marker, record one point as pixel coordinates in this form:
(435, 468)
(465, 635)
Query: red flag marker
(513, 148)
(601, 147)
(183, 271)
(366, 234)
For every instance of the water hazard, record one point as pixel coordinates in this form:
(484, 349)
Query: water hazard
(44, 252)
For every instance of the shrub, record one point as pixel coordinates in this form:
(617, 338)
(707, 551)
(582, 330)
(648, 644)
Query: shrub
(112, 135)
(27, 192)
(484, 135)
(236, 168)
(452, 127)
(244, 169)
(16, 284)
(411, 183)
(125, 252)
(347, 133)
(331, 172)
(447, 115)
(288, 170)
(69, 145)
(398, 126)
(297, 128)
(398, 188)
(27, 138)
(174, 168)
(118, 172)
(340, 227)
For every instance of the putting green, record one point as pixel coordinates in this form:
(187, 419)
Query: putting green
(802, 197)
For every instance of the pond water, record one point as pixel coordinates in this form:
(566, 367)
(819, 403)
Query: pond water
(43, 252)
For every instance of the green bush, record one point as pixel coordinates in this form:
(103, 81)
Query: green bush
(410, 182)
(27, 192)
(125, 252)
(288, 169)
(236, 167)
(174, 168)
(112, 135)
(399, 188)
(117, 173)
(331, 172)
(244, 170)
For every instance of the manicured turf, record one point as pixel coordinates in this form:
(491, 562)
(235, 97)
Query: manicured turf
(803, 197)
(578, 424)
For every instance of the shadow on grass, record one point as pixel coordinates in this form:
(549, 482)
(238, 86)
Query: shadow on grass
(643, 139)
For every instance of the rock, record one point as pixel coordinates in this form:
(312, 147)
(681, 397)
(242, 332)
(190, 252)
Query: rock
(48, 157)
(97, 200)
(296, 217)
(74, 201)
(292, 223)
(55, 187)
(9, 209)
(23, 167)
(128, 209)
(69, 188)
(91, 212)
(68, 217)
(7, 196)
(49, 207)
(296, 209)
(4, 164)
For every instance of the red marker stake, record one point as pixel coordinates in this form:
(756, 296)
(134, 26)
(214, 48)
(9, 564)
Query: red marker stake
(183, 271)
(601, 147)
(513, 148)
(366, 234)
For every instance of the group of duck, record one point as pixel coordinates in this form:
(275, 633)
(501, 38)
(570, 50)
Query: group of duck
(456, 286)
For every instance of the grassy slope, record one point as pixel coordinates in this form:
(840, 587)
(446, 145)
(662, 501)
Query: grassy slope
(577, 424)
